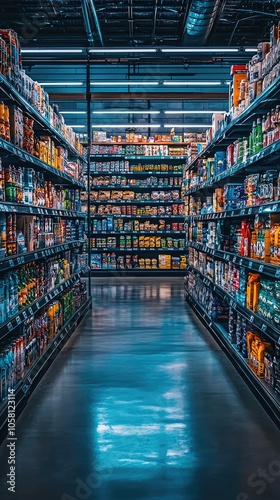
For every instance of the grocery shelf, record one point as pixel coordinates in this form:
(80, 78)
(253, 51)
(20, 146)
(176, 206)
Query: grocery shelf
(146, 172)
(118, 273)
(11, 93)
(254, 319)
(134, 187)
(15, 261)
(27, 385)
(164, 216)
(253, 265)
(155, 143)
(156, 231)
(129, 250)
(271, 151)
(136, 202)
(268, 398)
(20, 208)
(265, 208)
(29, 311)
(23, 158)
(243, 122)
(138, 157)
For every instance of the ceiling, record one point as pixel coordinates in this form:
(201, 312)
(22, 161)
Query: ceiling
(139, 24)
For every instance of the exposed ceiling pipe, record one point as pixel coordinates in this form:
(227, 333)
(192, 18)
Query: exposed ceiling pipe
(87, 22)
(96, 20)
(155, 20)
(200, 20)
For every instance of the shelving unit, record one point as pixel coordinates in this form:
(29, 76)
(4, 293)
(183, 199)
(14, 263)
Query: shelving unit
(217, 254)
(166, 213)
(62, 297)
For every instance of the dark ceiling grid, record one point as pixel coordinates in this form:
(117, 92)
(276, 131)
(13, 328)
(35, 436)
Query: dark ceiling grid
(137, 23)
(52, 23)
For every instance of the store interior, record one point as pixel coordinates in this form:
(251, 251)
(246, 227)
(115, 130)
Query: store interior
(140, 249)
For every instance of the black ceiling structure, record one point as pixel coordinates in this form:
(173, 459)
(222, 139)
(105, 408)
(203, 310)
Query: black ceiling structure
(136, 23)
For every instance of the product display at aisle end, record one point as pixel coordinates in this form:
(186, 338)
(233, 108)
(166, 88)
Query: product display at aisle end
(43, 257)
(137, 214)
(232, 217)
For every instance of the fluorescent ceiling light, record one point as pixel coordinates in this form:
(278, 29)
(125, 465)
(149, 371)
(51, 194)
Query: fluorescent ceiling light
(194, 112)
(171, 82)
(124, 83)
(251, 49)
(73, 112)
(213, 49)
(127, 125)
(127, 112)
(51, 51)
(76, 126)
(52, 84)
(120, 51)
(187, 125)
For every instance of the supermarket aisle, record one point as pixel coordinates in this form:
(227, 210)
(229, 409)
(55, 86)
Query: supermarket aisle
(142, 404)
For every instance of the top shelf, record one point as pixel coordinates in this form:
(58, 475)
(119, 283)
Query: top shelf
(242, 123)
(11, 93)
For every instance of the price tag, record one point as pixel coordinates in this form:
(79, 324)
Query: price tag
(20, 260)
(251, 319)
(37, 305)
(277, 273)
(260, 210)
(249, 211)
(242, 212)
(234, 259)
(30, 310)
(61, 336)
(29, 380)
(35, 256)
(11, 263)
(274, 208)
(24, 315)
(10, 326)
(227, 256)
(55, 343)
(250, 264)
(264, 327)
(232, 213)
(18, 320)
(261, 267)
(241, 262)
(25, 388)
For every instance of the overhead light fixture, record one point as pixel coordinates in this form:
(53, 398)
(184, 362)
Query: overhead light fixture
(192, 112)
(202, 50)
(51, 51)
(126, 112)
(187, 125)
(52, 84)
(76, 126)
(124, 83)
(121, 51)
(171, 82)
(251, 49)
(73, 112)
(127, 125)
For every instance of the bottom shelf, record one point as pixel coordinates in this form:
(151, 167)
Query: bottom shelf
(37, 370)
(264, 393)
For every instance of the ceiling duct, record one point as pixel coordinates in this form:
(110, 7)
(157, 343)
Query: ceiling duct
(200, 20)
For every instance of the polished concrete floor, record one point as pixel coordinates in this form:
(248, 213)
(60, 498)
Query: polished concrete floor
(142, 404)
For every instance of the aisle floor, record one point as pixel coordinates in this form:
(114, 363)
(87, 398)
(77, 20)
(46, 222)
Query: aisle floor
(142, 404)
